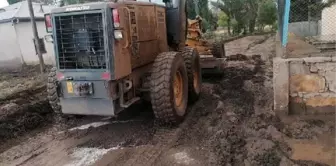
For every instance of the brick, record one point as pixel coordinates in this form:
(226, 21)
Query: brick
(317, 59)
(326, 66)
(281, 85)
(313, 68)
(298, 68)
(307, 83)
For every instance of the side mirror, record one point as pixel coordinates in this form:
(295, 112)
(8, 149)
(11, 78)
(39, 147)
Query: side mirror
(49, 38)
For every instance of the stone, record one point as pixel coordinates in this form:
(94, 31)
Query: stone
(307, 83)
(281, 85)
(333, 58)
(320, 101)
(313, 68)
(317, 59)
(297, 60)
(326, 66)
(220, 105)
(331, 80)
(321, 105)
(298, 68)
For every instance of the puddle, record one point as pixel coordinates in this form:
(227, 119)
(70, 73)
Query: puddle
(87, 156)
(94, 125)
(183, 158)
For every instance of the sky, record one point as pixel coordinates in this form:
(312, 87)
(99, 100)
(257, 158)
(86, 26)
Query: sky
(3, 3)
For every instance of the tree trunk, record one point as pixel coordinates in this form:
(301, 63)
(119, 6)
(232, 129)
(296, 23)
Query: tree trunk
(252, 25)
(229, 25)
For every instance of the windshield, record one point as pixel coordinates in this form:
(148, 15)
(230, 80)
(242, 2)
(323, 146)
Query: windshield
(160, 2)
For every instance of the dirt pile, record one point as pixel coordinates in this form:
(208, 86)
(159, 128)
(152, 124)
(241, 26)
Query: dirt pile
(23, 103)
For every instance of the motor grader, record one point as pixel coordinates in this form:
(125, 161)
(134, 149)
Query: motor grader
(110, 55)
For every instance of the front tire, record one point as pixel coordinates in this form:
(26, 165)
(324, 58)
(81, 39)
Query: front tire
(53, 98)
(192, 61)
(169, 87)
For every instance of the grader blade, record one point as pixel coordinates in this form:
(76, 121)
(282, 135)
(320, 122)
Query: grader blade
(212, 54)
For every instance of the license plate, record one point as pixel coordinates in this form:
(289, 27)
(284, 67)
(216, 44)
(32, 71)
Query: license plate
(82, 88)
(70, 87)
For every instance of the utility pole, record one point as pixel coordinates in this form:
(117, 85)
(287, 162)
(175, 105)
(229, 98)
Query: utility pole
(36, 37)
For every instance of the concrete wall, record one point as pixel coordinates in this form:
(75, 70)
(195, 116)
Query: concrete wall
(25, 39)
(10, 54)
(329, 21)
(305, 85)
(305, 28)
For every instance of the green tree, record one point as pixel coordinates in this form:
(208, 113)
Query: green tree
(267, 14)
(226, 7)
(204, 11)
(252, 13)
(12, 1)
(243, 11)
(222, 19)
(191, 9)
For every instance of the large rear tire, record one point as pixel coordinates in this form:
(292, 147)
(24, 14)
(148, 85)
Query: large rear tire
(169, 87)
(53, 98)
(192, 62)
(218, 50)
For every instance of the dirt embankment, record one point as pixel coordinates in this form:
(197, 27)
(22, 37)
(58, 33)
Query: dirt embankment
(23, 103)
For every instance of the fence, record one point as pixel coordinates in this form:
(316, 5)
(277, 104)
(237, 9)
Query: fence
(305, 66)
(307, 18)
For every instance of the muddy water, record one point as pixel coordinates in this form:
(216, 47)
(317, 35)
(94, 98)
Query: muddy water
(313, 150)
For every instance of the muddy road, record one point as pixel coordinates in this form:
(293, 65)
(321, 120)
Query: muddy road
(232, 124)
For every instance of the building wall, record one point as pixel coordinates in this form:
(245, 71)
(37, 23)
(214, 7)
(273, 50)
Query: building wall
(25, 39)
(10, 54)
(305, 85)
(328, 21)
(305, 28)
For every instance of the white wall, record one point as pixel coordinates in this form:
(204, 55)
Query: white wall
(25, 38)
(10, 54)
(305, 28)
(329, 21)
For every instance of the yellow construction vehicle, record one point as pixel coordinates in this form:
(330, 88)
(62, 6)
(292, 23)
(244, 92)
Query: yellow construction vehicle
(204, 47)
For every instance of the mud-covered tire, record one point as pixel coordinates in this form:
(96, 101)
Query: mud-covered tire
(53, 98)
(166, 67)
(218, 50)
(192, 62)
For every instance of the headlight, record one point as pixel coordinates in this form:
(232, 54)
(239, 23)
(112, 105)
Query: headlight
(118, 34)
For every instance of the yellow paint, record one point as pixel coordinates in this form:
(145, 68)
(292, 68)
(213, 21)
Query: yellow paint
(307, 83)
(69, 87)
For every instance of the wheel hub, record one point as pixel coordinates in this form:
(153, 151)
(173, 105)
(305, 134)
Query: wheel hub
(178, 89)
(196, 78)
